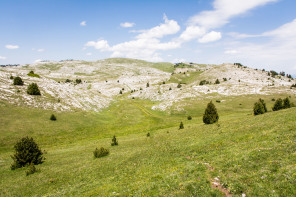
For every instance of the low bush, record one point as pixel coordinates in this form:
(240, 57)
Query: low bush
(32, 169)
(33, 89)
(189, 118)
(18, 81)
(52, 117)
(203, 82)
(32, 74)
(179, 85)
(101, 152)
(114, 141)
(217, 81)
(181, 126)
(148, 134)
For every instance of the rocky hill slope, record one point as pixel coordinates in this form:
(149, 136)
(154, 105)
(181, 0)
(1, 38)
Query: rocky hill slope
(103, 81)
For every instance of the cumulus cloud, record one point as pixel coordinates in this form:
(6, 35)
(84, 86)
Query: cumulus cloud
(127, 24)
(145, 45)
(9, 46)
(2, 58)
(210, 37)
(192, 32)
(83, 23)
(223, 11)
(89, 54)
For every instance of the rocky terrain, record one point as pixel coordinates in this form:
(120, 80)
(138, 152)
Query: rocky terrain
(103, 80)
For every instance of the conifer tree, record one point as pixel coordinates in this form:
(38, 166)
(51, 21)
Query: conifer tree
(211, 115)
(278, 105)
(258, 108)
(264, 104)
(33, 89)
(147, 85)
(217, 81)
(114, 141)
(286, 103)
(181, 126)
(18, 81)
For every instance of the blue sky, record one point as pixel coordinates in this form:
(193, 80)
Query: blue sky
(257, 33)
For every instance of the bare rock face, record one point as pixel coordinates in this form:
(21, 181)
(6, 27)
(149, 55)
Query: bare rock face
(101, 82)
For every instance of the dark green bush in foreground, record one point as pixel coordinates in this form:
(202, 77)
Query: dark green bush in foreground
(101, 152)
(278, 105)
(33, 89)
(259, 107)
(18, 81)
(26, 152)
(211, 115)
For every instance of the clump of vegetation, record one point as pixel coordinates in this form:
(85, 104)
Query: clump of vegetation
(278, 105)
(101, 152)
(11, 77)
(211, 115)
(33, 89)
(114, 141)
(293, 85)
(53, 117)
(181, 126)
(32, 169)
(120, 92)
(68, 81)
(163, 82)
(26, 152)
(273, 73)
(203, 82)
(258, 108)
(78, 81)
(218, 101)
(286, 103)
(179, 85)
(32, 74)
(224, 79)
(189, 118)
(217, 81)
(18, 81)
(147, 85)
(148, 134)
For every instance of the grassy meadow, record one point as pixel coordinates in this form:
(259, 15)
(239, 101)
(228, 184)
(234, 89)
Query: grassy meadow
(254, 155)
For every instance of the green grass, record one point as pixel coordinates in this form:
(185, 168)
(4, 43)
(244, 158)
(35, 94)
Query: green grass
(186, 78)
(33, 75)
(250, 154)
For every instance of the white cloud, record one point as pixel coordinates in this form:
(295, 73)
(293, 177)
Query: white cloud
(83, 23)
(89, 54)
(223, 11)
(40, 50)
(210, 37)
(192, 32)
(231, 52)
(127, 24)
(145, 45)
(2, 58)
(9, 46)
(38, 60)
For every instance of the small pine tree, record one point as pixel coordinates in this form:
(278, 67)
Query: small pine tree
(31, 170)
(179, 85)
(52, 117)
(258, 108)
(11, 77)
(33, 89)
(217, 81)
(286, 103)
(170, 88)
(120, 92)
(211, 115)
(147, 85)
(181, 126)
(189, 118)
(18, 81)
(26, 152)
(148, 134)
(114, 141)
(100, 152)
(278, 105)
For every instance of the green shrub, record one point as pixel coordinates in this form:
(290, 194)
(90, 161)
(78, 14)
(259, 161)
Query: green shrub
(278, 105)
(203, 82)
(32, 74)
(286, 103)
(258, 108)
(11, 77)
(68, 81)
(120, 92)
(211, 115)
(114, 141)
(147, 85)
(189, 118)
(100, 152)
(18, 81)
(31, 170)
(217, 81)
(181, 126)
(52, 117)
(148, 134)
(179, 85)
(26, 152)
(78, 81)
(33, 89)
(170, 88)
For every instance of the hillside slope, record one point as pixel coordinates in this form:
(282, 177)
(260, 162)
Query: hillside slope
(102, 81)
